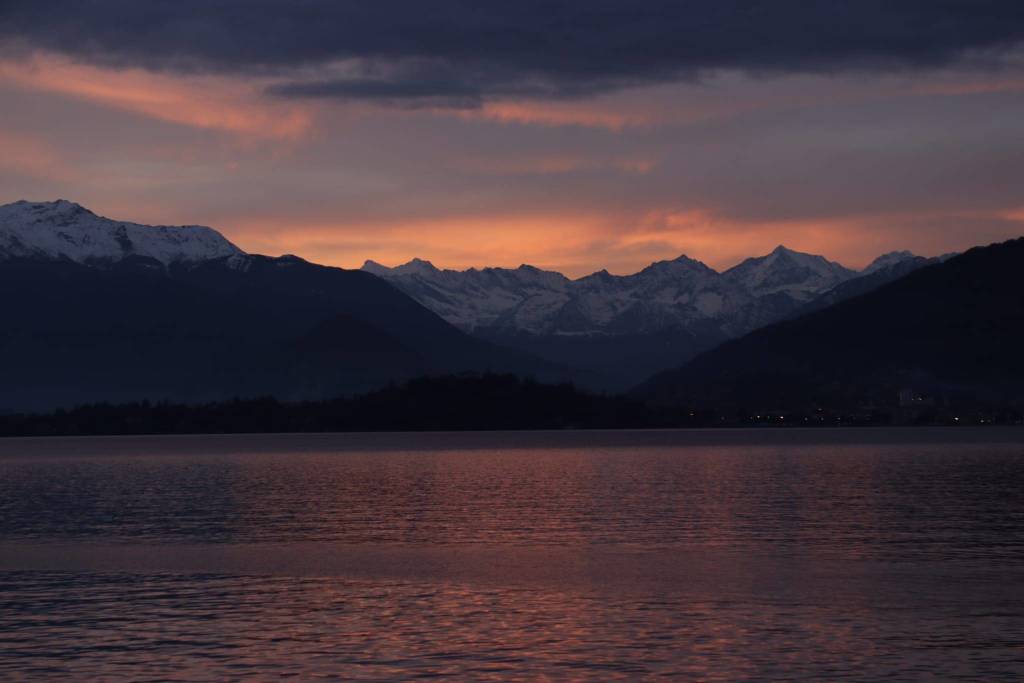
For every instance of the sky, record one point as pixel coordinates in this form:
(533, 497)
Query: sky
(568, 135)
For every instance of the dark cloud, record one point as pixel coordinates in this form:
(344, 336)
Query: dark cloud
(424, 83)
(397, 92)
(463, 51)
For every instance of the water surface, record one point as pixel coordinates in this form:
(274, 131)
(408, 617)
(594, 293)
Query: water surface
(713, 555)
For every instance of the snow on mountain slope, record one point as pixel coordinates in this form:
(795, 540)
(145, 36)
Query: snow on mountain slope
(887, 261)
(798, 275)
(682, 294)
(667, 294)
(491, 297)
(65, 230)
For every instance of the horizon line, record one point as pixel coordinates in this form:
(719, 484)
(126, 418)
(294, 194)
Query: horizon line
(479, 268)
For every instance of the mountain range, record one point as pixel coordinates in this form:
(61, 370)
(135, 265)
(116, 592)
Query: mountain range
(116, 311)
(108, 310)
(619, 329)
(950, 333)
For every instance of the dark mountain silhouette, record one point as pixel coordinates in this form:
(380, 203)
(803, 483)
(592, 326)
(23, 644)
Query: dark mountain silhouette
(232, 326)
(864, 284)
(113, 310)
(611, 362)
(952, 332)
(107, 310)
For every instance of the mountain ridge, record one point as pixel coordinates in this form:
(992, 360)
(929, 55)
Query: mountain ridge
(183, 319)
(64, 229)
(949, 331)
(610, 331)
(620, 329)
(520, 298)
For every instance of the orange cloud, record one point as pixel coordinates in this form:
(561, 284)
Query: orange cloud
(558, 114)
(1015, 215)
(200, 101)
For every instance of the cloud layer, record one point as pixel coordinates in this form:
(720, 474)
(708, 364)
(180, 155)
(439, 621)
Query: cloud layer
(460, 53)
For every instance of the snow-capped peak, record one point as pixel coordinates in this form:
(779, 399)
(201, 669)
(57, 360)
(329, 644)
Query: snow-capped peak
(65, 230)
(799, 275)
(416, 266)
(683, 258)
(888, 260)
(680, 293)
(681, 264)
(375, 268)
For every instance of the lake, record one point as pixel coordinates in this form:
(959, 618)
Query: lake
(717, 555)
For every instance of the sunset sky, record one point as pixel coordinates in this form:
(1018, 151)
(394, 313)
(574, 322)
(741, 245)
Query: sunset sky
(569, 135)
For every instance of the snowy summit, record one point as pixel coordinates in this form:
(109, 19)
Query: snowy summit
(682, 294)
(798, 275)
(63, 230)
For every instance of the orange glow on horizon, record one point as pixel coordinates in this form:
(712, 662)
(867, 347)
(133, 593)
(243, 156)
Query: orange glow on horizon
(456, 243)
(572, 244)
